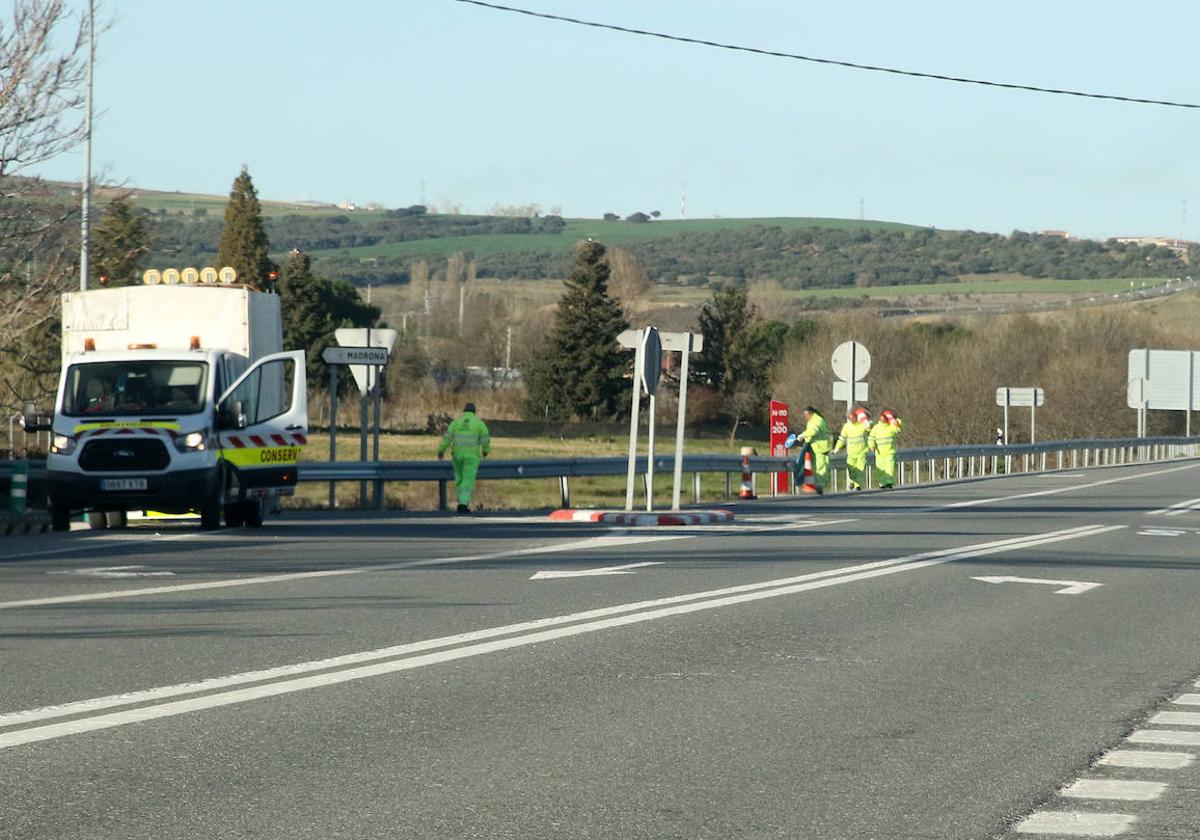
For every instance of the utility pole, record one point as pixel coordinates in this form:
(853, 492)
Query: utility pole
(86, 198)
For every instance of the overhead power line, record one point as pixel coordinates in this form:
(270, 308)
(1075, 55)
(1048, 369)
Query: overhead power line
(830, 61)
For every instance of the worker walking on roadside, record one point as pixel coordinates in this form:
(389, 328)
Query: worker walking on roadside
(853, 438)
(816, 438)
(882, 441)
(468, 440)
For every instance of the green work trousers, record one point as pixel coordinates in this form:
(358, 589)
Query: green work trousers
(821, 466)
(466, 467)
(856, 467)
(885, 466)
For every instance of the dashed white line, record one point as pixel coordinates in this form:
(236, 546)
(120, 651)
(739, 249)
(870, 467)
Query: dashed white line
(1176, 719)
(1147, 759)
(1170, 737)
(1114, 789)
(1075, 823)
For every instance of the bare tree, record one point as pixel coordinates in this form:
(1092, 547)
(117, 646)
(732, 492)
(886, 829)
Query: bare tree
(43, 55)
(629, 282)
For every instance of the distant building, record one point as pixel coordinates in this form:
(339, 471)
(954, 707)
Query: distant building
(347, 205)
(1178, 246)
(1061, 234)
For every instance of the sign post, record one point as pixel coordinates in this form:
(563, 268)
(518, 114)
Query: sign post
(779, 434)
(1029, 398)
(366, 362)
(649, 344)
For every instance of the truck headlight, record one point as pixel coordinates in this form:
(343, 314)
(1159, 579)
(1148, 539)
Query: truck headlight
(62, 445)
(192, 442)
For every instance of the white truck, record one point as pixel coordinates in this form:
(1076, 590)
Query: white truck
(177, 399)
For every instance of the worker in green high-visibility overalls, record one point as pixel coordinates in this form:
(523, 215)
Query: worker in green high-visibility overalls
(468, 440)
(882, 442)
(853, 438)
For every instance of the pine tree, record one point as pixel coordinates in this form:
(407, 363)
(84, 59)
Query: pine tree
(581, 372)
(119, 242)
(244, 244)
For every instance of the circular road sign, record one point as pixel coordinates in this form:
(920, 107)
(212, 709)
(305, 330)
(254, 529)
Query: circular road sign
(851, 361)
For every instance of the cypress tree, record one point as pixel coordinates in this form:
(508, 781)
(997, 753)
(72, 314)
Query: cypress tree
(581, 372)
(244, 244)
(119, 242)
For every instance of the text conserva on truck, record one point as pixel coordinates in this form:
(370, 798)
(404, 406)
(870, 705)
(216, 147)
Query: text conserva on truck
(175, 399)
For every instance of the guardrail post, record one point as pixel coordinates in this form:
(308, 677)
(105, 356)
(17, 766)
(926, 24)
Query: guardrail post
(696, 497)
(728, 485)
(564, 491)
(441, 494)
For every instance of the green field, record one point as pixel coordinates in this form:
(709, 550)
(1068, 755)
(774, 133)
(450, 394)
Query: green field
(610, 233)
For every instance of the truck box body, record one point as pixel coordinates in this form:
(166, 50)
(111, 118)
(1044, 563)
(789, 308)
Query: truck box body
(235, 319)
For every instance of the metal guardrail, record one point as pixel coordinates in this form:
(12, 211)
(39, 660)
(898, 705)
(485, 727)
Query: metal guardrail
(914, 465)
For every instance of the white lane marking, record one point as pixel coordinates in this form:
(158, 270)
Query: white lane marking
(1059, 475)
(1073, 587)
(1187, 700)
(1075, 823)
(587, 544)
(1171, 737)
(1160, 532)
(1114, 789)
(1145, 759)
(1175, 509)
(111, 572)
(1058, 490)
(607, 570)
(100, 544)
(1176, 719)
(618, 616)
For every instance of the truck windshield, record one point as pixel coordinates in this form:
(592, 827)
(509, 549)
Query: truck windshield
(135, 388)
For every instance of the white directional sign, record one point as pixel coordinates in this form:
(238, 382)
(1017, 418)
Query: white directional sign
(355, 355)
(850, 361)
(1021, 397)
(607, 570)
(1071, 587)
(841, 392)
(1172, 379)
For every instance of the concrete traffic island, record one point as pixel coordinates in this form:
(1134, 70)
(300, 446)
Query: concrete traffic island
(625, 517)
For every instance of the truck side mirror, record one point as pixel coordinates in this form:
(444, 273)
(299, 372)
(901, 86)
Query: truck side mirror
(230, 415)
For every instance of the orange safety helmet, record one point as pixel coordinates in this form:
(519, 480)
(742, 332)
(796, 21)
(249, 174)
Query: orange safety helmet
(861, 415)
(888, 416)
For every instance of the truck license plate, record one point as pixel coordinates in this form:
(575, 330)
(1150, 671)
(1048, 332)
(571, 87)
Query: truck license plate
(122, 484)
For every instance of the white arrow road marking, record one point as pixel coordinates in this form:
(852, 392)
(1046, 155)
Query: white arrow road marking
(607, 570)
(113, 572)
(1073, 587)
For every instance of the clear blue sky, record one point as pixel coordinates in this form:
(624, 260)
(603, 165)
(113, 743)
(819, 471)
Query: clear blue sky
(366, 100)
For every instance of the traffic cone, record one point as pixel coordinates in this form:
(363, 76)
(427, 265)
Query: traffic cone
(747, 491)
(810, 480)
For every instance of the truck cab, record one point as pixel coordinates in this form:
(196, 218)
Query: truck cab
(142, 427)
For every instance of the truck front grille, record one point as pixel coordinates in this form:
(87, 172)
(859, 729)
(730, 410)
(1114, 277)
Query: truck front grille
(128, 455)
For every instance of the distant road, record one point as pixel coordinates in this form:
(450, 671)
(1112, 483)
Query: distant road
(939, 662)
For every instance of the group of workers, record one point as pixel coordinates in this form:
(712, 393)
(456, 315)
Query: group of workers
(469, 441)
(858, 437)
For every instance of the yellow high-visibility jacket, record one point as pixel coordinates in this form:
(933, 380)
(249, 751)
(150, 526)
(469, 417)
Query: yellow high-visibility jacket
(467, 433)
(884, 435)
(853, 438)
(816, 433)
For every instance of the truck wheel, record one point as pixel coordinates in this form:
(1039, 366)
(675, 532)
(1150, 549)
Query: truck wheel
(235, 516)
(254, 513)
(97, 520)
(116, 519)
(210, 511)
(60, 517)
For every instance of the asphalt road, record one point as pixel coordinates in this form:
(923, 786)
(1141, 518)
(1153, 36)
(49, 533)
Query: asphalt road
(822, 668)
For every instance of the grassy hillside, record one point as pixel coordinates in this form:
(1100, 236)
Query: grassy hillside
(621, 234)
